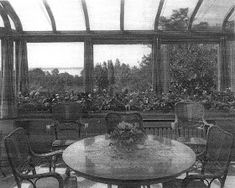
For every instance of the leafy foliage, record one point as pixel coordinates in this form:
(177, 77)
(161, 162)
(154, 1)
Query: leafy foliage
(138, 101)
(54, 82)
(192, 68)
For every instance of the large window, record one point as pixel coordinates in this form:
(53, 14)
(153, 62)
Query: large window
(56, 67)
(121, 67)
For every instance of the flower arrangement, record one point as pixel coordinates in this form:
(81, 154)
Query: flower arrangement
(127, 135)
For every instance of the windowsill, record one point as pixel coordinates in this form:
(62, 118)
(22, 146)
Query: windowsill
(158, 116)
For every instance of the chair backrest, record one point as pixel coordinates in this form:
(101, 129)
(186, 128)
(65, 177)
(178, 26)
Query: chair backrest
(189, 113)
(218, 150)
(67, 111)
(112, 119)
(67, 117)
(18, 151)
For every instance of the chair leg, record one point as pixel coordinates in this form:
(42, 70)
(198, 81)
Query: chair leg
(18, 183)
(67, 172)
(4, 175)
(222, 181)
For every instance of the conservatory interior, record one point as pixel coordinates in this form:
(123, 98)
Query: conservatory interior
(121, 93)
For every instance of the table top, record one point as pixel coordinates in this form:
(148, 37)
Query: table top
(157, 160)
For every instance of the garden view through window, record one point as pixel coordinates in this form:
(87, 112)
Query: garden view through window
(122, 67)
(55, 67)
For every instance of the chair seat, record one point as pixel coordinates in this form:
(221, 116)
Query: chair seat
(62, 143)
(69, 182)
(198, 145)
(177, 183)
(193, 141)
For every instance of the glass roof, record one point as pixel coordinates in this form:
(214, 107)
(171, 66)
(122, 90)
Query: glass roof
(230, 25)
(32, 15)
(212, 12)
(69, 15)
(104, 17)
(140, 14)
(105, 14)
(170, 7)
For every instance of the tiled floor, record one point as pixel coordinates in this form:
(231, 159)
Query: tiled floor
(9, 182)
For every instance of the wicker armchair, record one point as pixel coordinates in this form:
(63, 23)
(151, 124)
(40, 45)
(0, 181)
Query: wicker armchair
(1, 160)
(190, 126)
(67, 125)
(112, 119)
(23, 161)
(216, 160)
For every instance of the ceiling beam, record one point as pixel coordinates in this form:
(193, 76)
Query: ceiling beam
(191, 19)
(50, 14)
(226, 18)
(122, 15)
(11, 12)
(5, 19)
(157, 18)
(142, 36)
(86, 16)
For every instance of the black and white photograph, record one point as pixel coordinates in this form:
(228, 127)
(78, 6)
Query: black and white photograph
(117, 93)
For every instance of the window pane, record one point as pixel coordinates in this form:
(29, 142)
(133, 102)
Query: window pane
(68, 14)
(211, 14)
(132, 67)
(193, 69)
(140, 14)
(56, 67)
(1, 22)
(32, 15)
(12, 23)
(172, 8)
(104, 14)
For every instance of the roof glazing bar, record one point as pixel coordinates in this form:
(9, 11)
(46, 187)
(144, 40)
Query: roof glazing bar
(122, 15)
(191, 19)
(86, 16)
(156, 22)
(11, 12)
(5, 19)
(50, 14)
(226, 18)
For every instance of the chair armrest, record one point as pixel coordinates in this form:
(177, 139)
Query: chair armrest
(44, 175)
(206, 125)
(174, 124)
(49, 154)
(201, 155)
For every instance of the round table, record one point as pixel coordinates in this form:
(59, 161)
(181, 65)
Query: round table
(157, 160)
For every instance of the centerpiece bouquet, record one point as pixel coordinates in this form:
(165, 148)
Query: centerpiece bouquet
(127, 135)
